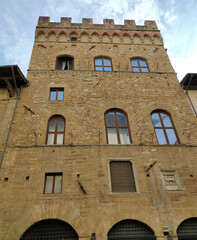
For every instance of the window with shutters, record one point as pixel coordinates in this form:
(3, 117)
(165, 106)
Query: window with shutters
(164, 127)
(65, 63)
(117, 127)
(55, 130)
(53, 183)
(122, 177)
(56, 94)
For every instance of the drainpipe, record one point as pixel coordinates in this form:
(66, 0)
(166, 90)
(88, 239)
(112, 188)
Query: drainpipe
(187, 94)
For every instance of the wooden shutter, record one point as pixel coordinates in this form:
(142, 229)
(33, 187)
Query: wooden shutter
(122, 178)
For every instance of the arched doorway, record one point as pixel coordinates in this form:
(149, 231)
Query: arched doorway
(130, 229)
(187, 230)
(52, 229)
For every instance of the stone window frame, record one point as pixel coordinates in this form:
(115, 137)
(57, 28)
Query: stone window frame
(117, 127)
(163, 127)
(57, 91)
(54, 181)
(103, 66)
(138, 59)
(134, 175)
(55, 132)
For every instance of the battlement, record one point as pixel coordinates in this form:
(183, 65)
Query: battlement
(87, 23)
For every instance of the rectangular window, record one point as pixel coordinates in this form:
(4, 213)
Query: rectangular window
(122, 177)
(53, 183)
(56, 94)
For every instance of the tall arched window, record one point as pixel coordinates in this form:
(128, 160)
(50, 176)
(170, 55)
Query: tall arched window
(55, 130)
(117, 127)
(50, 229)
(139, 65)
(164, 127)
(187, 230)
(65, 63)
(102, 64)
(130, 229)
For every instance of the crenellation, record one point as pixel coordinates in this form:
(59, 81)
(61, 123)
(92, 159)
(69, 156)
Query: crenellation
(88, 23)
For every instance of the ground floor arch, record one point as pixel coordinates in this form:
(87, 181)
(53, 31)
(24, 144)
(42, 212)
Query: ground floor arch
(187, 230)
(53, 229)
(130, 229)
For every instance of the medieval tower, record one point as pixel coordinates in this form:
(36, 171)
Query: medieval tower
(103, 141)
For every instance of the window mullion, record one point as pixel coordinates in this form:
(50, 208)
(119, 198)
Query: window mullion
(53, 186)
(117, 128)
(163, 127)
(56, 128)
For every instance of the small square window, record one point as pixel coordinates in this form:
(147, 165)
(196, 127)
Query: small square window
(56, 94)
(122, 177)
(53, 183)
(73, 39)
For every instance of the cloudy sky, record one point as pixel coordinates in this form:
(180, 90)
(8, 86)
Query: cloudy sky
(177, 20)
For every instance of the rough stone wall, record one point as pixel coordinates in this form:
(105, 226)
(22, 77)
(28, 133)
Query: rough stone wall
(86, 155)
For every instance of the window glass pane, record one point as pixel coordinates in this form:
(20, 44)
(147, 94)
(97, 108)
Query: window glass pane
(156, 120)
(124, 136)
(98, 68)
(112, 136)
(48, 184)
(58, 184)
(134, 63)
(171, 136)
(166, 120)
(110, 119)
(107, 62)
(53, 96)
(142, 63)
(60, 125)
(60, 95)
(98, 62)
(108, 69)
(136, 70)
(52, 124)
(122, 120)
(60, 137)
(160, 136)
(50, 139)
(144, 69)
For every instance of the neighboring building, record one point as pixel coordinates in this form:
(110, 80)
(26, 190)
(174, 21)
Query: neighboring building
(12, 82)
(189, 84)
(103, 143)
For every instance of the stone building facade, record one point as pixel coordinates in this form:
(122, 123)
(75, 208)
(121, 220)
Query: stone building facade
(104, 143)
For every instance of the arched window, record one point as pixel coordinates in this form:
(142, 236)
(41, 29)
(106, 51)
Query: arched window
(50, 229)
(187, 230)
(117, 127)
(130, 229)
(102, 64)
(65, 63)
(164, 127)
(55, 130)
(139, 65)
